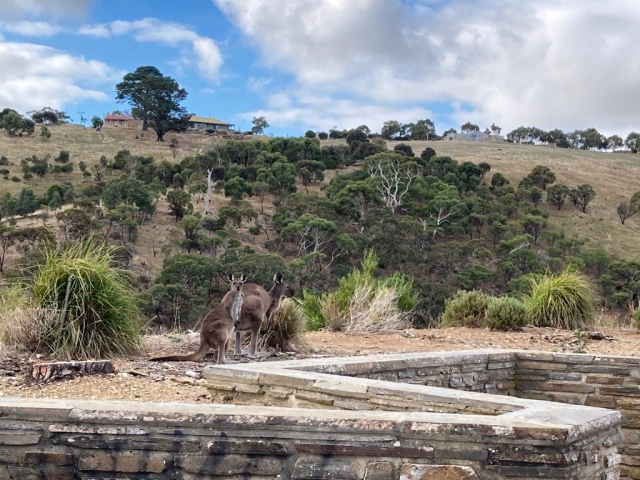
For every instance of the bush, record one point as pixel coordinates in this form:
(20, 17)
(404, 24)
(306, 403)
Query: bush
(506, 313)
(636, 317)
(310, 134)
(323, 135)
(362, 302)
(15, 179)
(283, 332)
(565, 300)
(465, 309)
(102, 318)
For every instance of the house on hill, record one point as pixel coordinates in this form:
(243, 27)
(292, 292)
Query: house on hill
(209, 123)
(124, 121)
(474, 137)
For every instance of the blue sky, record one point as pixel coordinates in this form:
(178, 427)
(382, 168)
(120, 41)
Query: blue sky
(335, 63)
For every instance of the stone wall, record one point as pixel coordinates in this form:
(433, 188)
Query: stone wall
(601, 381)
(413, 383)
(62, 439)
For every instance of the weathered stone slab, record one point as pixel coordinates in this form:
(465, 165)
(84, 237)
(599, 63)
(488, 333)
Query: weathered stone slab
(13, 437)
(604, 379)
(379, 471)
(363, 450)
(103, 462)
(600, 401)
(43, 458)
(39, 473)
(308, 468)
(124, 442)
(441, 472)
(230, 465)
(550, 366)
(248, 447)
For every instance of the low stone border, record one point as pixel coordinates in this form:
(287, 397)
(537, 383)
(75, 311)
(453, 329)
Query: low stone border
(546, 440)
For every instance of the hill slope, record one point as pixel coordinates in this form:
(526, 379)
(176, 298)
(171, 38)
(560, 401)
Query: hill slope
(613, 175)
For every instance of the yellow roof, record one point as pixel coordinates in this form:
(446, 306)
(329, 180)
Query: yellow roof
(210, 120)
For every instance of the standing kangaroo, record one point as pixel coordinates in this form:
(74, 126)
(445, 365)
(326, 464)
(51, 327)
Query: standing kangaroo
(253, 311)
(217, 326)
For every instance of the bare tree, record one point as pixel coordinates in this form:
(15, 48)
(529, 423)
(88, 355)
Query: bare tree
(207, 197)
(394, 180)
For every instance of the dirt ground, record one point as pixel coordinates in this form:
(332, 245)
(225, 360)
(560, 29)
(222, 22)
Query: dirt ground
(137, 379)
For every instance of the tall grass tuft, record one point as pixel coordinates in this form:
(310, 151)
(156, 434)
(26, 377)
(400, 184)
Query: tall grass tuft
(363, 302)
(565, 300)
(102, 317)
(285, 329)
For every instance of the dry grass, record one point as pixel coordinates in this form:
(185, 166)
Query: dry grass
(285, 329)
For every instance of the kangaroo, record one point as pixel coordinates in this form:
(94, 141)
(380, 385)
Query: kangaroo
(217, 326)
(252, 313)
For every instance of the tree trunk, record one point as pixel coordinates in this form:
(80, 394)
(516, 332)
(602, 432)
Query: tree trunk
(207, 198)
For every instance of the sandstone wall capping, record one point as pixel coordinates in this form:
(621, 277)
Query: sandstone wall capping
(483, 414)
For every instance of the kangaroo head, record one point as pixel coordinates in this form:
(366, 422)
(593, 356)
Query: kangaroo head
(281, 289)
(236, 285)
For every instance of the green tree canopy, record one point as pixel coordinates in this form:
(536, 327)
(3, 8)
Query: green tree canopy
(155, 99)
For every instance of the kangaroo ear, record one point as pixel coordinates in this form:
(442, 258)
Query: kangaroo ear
(243, 278)
(230, 277)
(278, 277)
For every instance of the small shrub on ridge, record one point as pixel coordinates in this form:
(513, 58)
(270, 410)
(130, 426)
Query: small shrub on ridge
(506, 313)
(465, 309)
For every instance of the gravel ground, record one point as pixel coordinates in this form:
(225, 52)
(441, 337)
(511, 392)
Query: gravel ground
(137, 379)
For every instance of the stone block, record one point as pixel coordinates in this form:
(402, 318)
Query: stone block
(441, 472)
(462, 381)
(315, 397)
(628, 403)
(309, 468)
(556, 386)
(13, 437)
(631, 391)
(501, 365)
(103, 462)
(547, 366)
(40, 473)
(468, 453)
(248, 447)
(161, 443)
(604, 379)
(230, 465)
(43, 458)
(605, 369)
(630, 418)
(571, 377)
(364, 450)
(248, 388)
(379, 471)
(601, 401)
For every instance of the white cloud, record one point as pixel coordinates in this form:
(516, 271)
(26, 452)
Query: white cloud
(94, 31)
(550, 63)
(36, 8)
(206, 54)
(322, 113)
(257, 84)
(33, 76)
(30, 29)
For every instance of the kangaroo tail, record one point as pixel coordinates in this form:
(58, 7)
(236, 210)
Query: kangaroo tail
(194, 357)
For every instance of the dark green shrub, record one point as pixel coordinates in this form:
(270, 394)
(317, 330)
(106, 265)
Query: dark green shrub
(506, 313)
(465, 309)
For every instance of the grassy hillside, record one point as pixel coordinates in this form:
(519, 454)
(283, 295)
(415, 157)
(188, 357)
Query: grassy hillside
(613, 175)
